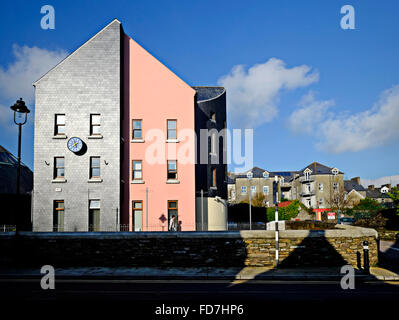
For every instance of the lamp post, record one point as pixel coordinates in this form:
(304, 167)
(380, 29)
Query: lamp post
(20, 117)
(276, 179)
(249, 176)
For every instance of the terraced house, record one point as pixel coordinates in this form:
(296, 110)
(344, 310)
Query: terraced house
(115, 143)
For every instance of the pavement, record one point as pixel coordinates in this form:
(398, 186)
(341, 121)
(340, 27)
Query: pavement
(246, 273)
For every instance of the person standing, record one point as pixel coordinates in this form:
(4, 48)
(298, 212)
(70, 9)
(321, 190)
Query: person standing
(173, 224)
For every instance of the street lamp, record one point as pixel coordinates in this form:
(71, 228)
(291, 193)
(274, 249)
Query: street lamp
(20, 117)
(249, 176)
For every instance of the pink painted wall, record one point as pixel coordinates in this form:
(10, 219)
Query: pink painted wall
(154, 94)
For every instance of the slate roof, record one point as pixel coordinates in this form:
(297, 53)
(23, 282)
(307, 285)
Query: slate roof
(258, 173)
(376, 193)
(8, 174)
(350, 185)
(207, 93)
(318, 168)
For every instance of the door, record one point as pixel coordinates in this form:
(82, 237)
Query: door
(137, 215)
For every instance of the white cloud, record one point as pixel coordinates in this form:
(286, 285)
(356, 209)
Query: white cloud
(393, 180)
(345, 132)
(253, 94)
(307, 118)
(372, 128)
(29, 65)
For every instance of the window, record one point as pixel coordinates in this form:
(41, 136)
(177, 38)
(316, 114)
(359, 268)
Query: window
(137, 130)
(94, 215)
(213, 116)
(309, 202)
(335, 171)
(320, 201)
(321, 187)
(58, 216)
(253, 189)
(243, 190)
(59, 168)
(94, 167)
(172, 210)
(172, 129)
(308, 188)
(265, 174)
(213, 143)
(266, 189)
(335, 186)
(137, 170)
(59, 124)
(214, 178)
(137, 219)
(307, 175)
(233, 195)
(172, 170)
(95, 126)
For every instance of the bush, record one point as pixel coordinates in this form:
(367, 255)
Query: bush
(284, 213)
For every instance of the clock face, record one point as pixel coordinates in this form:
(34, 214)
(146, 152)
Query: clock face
(75, 144)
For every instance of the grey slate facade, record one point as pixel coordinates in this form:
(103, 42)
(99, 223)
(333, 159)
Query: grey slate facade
(86, 82)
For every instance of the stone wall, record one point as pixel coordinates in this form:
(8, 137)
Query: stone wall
(189, 249)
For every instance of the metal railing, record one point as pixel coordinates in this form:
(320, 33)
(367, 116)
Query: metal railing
(7, 228)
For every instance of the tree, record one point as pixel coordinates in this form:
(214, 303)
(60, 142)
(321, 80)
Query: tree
(394, 195)
(339, 200)
(367, 208)
(257, 200)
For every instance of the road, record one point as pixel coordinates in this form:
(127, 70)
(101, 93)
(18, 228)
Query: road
(389, 255)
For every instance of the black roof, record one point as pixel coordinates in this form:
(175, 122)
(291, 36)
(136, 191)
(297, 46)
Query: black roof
(350, 185)
(318, 168)
(207, 93)
(258, 173)
(8, 174)
(375, 193)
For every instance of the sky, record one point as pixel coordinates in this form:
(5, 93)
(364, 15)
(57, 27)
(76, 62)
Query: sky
(310, 90)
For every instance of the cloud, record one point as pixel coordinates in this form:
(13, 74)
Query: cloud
(345, 132)
(29, 65)
(305, 119)
(371, 128)
(253, 94)
(393, 180)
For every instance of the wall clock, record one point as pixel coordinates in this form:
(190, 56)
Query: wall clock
(75, 144)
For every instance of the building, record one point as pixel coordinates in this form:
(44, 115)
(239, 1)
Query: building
(380, 194)
(354, 192)
(260, 181)
(11, 204)
(115, 142)
(316, 186)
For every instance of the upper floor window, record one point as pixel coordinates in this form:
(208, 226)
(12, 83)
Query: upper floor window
(243, 190)
(335, 186)
(95, 124)
(59, 167)
(253, 189)
(137, 170)
(95, 167)
(265, 174)
(172, 170)
(334, 171)
(321, 187)
(172, 129)
(266, 189)
(320, 201)
(59, 124)
(307, 175)
(137, 129)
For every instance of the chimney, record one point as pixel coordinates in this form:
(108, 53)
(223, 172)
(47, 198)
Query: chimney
(356, 180)
(370, 187)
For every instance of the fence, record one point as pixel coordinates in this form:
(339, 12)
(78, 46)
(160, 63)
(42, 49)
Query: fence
(7, 228)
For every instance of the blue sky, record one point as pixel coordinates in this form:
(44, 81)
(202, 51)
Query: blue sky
(329, 100)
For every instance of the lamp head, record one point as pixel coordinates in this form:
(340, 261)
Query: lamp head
(20, 107)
